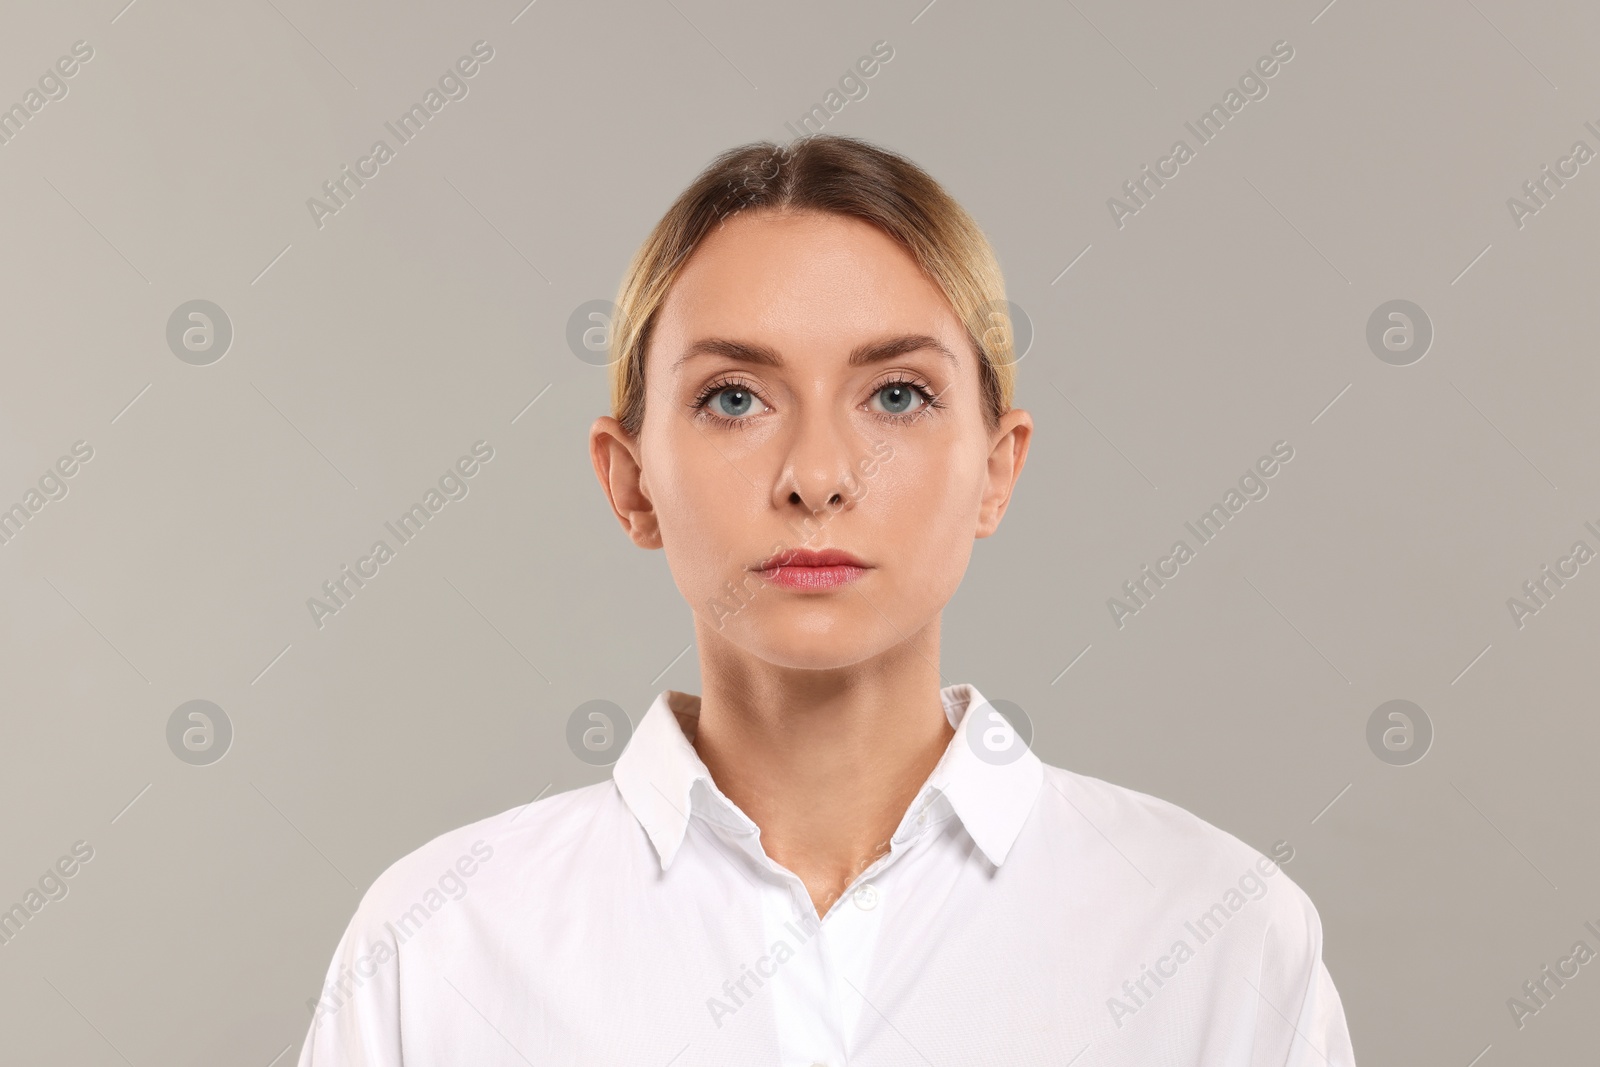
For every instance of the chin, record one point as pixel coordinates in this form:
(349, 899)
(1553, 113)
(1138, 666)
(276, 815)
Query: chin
(823, 656)
(818, 639)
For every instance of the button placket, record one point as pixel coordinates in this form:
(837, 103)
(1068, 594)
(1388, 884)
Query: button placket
(852, 946)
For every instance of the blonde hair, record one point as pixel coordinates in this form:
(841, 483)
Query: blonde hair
(830, 174)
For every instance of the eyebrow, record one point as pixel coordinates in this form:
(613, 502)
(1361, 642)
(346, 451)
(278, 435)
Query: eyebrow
(860, 356)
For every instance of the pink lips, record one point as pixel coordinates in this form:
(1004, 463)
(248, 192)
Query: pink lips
(806, 569)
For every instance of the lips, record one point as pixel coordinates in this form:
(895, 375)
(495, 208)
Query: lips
(811, 569)
(806, 557)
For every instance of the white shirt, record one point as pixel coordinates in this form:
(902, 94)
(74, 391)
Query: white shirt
(1024, 914)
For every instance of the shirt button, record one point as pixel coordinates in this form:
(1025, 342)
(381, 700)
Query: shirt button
(867, 897)
(922, 818)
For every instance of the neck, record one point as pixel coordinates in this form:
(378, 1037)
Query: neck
(824, 761)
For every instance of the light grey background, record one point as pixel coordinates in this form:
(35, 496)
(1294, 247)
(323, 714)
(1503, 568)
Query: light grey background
(431, 312)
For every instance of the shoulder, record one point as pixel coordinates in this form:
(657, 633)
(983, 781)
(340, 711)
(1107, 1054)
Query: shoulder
(547, 836)
(1191, 864)
(1150, 888)
(451, 900)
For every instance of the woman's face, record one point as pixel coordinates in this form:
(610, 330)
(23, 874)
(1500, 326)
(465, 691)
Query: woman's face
(809, 388)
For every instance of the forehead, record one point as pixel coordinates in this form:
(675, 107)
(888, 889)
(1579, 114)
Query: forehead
(807, 278)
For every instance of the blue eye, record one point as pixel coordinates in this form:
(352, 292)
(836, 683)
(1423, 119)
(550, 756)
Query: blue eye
(733, 401)
(898, 397)
(729, 401)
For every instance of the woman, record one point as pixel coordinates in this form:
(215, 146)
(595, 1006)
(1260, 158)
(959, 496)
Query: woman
(829, 856)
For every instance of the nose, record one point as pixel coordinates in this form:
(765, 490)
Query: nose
(819, 467)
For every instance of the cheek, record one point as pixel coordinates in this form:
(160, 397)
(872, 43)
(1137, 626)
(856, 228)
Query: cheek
(925, 503)
(706, 511)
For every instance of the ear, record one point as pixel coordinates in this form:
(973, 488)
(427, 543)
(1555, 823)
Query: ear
(615, 454)
(1006, 456)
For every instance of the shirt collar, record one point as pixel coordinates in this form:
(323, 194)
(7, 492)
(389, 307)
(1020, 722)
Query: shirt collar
(664, 782)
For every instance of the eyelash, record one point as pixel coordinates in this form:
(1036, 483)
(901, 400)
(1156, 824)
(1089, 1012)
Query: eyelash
(931, 400)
